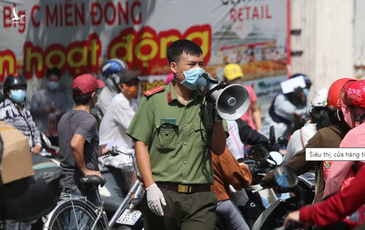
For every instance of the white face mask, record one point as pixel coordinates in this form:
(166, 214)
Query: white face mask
(97, 102)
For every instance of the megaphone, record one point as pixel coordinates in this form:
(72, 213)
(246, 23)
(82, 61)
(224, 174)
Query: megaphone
(231, 101)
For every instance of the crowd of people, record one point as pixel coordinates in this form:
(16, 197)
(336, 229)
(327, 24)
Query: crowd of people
(187, 154)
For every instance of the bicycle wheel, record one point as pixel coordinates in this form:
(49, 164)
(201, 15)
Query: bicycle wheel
(73, 214)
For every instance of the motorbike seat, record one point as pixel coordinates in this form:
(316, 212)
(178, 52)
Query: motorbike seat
(95, 181)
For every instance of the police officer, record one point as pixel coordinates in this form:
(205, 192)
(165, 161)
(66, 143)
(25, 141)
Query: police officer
(173, 143)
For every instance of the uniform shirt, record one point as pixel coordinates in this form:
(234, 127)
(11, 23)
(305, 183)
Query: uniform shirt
(116, 121)
(172, 132)
(43, 98)
(10, 114)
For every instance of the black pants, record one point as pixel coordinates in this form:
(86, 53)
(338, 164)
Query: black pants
(53, 140)
(182, 211)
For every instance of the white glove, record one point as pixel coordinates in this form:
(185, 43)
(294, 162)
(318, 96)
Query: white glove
(155, 199)
(232, 189)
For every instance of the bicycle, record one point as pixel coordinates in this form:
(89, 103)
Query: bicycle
(85, 215)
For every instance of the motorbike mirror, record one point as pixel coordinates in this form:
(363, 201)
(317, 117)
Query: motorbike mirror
(275, 158)
(285, 177)
(272, 135)
(283, 140)
(45, 141)
(258, 152)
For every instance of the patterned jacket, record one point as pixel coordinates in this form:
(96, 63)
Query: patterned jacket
(10, 114)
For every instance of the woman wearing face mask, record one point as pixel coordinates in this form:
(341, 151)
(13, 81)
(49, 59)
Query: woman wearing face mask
(346, 201)
(48, 105)
(14, 111)
(328, 137)
(353, 109)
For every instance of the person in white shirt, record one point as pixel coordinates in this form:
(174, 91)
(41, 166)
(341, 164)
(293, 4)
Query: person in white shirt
(119, 114)
(319, 119)
(111, 72)
(234, 142)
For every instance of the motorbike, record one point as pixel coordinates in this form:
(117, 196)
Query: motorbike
(287, 181)
(48, 150)
(249, 201)
(262, 166)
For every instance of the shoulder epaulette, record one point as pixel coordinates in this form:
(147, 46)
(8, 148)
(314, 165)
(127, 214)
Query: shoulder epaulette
(154, 90)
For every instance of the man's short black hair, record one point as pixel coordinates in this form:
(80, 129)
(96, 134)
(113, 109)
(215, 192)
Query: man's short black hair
(54, 71)
(80, 99)
(177, 48)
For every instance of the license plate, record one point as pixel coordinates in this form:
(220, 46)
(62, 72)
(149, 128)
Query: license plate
(129, 217)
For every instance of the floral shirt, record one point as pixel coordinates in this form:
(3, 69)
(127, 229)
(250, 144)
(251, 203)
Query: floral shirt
(10, 114)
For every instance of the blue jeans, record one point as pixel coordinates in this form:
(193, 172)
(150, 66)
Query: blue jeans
(76, 218)
(17, 225)
(230, 216)
(354, 216)
(265, 202)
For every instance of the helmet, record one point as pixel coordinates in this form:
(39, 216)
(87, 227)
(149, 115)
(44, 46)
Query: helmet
(169, 78)
(320, 98)
(333, 101)
(112, 66)
(12, 81)
(308, 82)
(353, 93)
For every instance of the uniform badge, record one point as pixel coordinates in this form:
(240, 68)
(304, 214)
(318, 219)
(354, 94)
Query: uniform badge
(169, 97)
(153, 91)
(168, 121)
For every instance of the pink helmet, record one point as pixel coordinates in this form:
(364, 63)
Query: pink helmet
(169, 78)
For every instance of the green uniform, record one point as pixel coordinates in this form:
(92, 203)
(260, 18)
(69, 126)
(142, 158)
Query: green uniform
(173, 133)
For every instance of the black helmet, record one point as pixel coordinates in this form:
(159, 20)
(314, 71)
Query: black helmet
(12, 81)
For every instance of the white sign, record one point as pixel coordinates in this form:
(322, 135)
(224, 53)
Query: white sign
(335, 154)
(290, 85)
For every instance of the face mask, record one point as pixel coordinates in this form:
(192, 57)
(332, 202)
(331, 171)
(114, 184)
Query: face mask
(296, 97)
(191, 78)
(18, 95)
(306, 92)
(52, 85)
(348, 116)
(97, 102)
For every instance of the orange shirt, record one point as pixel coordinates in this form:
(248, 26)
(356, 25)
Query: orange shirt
(227, 172)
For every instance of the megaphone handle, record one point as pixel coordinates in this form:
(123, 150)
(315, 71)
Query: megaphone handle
(206, 89)
(209, 78)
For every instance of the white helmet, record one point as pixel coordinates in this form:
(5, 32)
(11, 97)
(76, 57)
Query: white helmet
(320, 98)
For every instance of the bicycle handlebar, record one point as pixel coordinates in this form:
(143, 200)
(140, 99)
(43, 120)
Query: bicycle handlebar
(115, 152)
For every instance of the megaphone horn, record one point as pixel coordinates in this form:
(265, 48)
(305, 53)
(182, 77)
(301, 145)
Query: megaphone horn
(231, 102)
